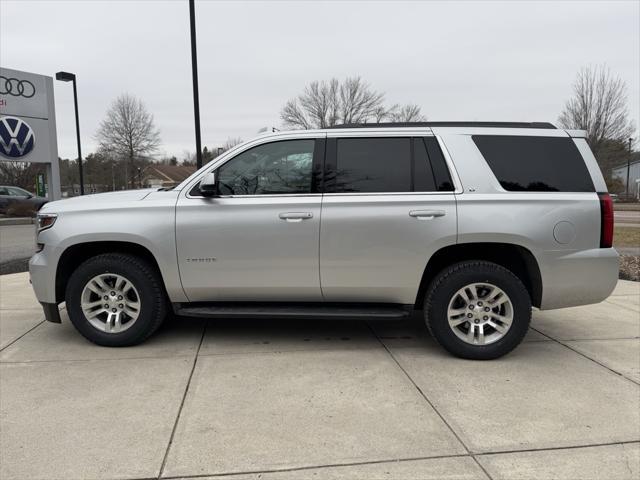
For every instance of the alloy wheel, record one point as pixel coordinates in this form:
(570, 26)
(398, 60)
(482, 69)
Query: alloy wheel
(110, 303)
(480, 313)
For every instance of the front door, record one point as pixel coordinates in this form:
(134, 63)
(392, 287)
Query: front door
(258, 240)
(389, 205)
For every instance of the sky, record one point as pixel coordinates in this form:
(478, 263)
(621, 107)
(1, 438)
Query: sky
(458, 60)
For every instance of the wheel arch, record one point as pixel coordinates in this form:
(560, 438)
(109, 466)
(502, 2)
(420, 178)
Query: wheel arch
(75, 255)
(515, 258)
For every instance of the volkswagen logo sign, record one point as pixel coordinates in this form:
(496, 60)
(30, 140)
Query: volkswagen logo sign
(16, 87)
(16, 137)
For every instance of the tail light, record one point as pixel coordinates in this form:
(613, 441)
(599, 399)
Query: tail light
(606, 220)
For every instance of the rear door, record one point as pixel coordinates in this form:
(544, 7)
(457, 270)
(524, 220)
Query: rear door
(389, 204)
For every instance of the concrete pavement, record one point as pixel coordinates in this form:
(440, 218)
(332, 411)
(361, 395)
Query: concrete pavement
(315, 400)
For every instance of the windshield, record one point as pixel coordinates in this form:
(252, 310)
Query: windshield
(18, 192)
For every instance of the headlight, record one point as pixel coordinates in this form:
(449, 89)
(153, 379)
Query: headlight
(46, 220)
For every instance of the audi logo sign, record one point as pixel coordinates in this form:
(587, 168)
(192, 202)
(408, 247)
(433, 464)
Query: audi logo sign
(28, 123)
(16, 137)
(16, 87)
(23, 94)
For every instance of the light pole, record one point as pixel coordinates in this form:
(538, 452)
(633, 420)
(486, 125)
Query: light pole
(628, 168)
(71, 77)
(194, 74)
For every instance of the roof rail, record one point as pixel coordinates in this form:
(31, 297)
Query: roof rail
(544, 125)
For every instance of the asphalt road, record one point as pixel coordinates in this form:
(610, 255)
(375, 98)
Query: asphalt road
(627, 216)
(17, 244)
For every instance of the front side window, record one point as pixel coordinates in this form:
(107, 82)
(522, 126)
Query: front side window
(273, 168)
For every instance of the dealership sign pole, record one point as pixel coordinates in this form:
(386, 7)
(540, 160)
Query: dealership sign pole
(28, 123)
(71, 77)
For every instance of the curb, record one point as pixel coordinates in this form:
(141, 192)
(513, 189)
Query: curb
(18, 265)
(17, 221)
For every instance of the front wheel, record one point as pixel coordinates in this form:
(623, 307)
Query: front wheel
(115, 299)
(478, 310)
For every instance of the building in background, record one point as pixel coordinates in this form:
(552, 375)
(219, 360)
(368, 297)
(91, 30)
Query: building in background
(165, 176)
(620, 172)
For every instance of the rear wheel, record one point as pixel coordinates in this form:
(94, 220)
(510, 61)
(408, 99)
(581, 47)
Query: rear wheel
(478, 310)
(115, 299)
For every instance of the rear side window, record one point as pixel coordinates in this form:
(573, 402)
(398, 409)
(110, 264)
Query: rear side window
(440, 170)
(373, 165)
(423, 178)
(386, 164)
(535, 164)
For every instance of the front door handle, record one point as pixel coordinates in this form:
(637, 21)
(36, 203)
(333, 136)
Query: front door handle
(295, 216)
(426, 214)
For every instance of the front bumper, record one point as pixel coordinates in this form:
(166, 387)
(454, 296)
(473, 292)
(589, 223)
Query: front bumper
(578, 278)
(42, 274)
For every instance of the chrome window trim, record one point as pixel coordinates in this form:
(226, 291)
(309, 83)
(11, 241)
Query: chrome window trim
(380, 132)
(269, 195)
(376, 194)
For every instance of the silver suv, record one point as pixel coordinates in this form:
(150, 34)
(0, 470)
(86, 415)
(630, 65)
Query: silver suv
(470, 223)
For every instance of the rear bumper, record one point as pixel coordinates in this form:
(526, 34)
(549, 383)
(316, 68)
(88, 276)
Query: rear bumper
(578, 278)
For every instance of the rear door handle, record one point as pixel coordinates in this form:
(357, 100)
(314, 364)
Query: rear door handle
(295, 216)
(426, 214)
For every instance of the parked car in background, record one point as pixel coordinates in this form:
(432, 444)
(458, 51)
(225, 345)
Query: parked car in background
(471, 224)
(18, 202)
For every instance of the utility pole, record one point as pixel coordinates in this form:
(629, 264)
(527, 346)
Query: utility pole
(628, 168)
(71, 77)
(194, 74)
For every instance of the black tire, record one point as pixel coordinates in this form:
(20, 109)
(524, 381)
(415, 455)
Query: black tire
(148, 283)
(449, 281)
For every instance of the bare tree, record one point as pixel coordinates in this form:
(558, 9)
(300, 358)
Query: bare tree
(327, 103)
(20, 174)
(599, 106)
(231, 142)
(128, 132)
(406, 113)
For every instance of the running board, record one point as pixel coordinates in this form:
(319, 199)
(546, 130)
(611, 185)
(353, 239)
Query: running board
(292, 310)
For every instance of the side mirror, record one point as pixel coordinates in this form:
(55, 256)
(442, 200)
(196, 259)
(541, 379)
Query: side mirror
(209, 185)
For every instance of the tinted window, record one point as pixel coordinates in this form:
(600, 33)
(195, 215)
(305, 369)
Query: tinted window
(535, 164)
(423, 179)
(373, 165)
(272, 168)
(18, 192)
(439, 166)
